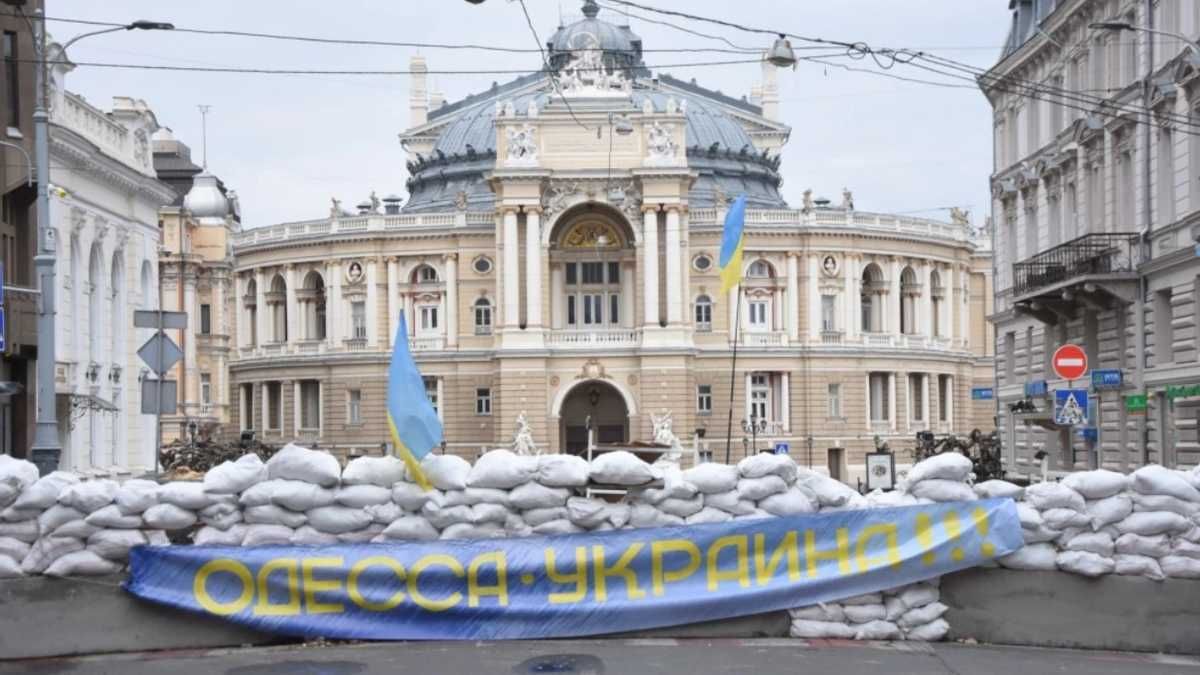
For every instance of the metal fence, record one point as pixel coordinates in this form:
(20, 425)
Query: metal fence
(1100, 253)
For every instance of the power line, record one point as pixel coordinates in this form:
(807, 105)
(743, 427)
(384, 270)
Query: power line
(548, 69)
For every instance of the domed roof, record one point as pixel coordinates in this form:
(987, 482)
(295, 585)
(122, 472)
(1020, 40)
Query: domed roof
(620, 46)
(205, 200)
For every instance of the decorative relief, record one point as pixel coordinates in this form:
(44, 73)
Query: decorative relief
(586, 76)
(591, 235)
(661, 148)
(560, 195)
(829, 265)
(592, 370)
(354, 273)
(632, 380)
(522, 145)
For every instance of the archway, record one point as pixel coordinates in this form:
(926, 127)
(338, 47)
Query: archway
(599, 404)
(593, 270)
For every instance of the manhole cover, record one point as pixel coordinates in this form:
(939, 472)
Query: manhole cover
(560, 664)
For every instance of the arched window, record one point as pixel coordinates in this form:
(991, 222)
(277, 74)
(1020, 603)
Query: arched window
(704, 314)
(910, 289)
(95, 306)
(250, 302)
(936, 294)
(313, 297)
(278, 304)
(425, 275)
(760, 269)
(872, 307)
(483, 317)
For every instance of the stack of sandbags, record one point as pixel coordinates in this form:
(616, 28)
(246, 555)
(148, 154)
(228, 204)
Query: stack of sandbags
(1162, 527)
(909, 613)
(942, 478)
(299, 493)
(18, 513)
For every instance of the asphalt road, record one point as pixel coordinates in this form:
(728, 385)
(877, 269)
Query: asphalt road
(623, 657)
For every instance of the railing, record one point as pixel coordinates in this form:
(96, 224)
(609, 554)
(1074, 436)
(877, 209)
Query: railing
(704, 327)
(569, 339)
(878, 339)
(426, 344)
(1100, 253)
(831, 337)
(356, 345)
(773, 339)
(273, 348)
(309, 346)
(915, 341)
(941, 342)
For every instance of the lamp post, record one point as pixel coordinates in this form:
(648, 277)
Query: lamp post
(46, 451)
(753, 426)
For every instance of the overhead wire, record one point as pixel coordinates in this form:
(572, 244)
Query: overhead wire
(549, 70)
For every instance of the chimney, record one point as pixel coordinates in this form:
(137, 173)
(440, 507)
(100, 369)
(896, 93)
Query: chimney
(770, 92)
(418, 93)
(436, 100)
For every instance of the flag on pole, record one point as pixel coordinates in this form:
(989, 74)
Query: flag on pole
(412, 421)
(730, 263)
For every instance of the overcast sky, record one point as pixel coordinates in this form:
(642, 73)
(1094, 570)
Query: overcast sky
(288, 143)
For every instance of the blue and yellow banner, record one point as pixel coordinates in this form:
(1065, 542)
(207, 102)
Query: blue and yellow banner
(574, 585)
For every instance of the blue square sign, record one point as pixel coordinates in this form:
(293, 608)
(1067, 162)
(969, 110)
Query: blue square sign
(781, 448)
(1071, 407)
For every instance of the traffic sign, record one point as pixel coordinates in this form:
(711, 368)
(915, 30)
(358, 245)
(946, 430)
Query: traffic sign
(149, 318)
(160, 353)
(159, 396)
(1106, 379)
(1070, 362)
(1070, 407)
(781, 448)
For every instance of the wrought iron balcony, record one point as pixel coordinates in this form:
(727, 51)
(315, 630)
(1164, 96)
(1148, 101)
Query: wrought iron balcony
(1099, 254)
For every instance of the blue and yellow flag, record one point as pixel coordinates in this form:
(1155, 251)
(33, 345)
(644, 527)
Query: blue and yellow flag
(414, 424)
(731, 245)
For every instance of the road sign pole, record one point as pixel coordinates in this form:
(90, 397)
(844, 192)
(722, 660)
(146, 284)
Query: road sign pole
(158, 413)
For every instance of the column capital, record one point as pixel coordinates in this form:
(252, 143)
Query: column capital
(509, 209)
(532, 209)
(650, 208)
(289, 266)
(450, 256)
(675, 208)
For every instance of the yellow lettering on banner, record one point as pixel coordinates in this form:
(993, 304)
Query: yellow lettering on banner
(621, 569)
(924, 529)
(237, 569)
(765, 567)
(659, 576)
(578, 578)
(420, 598)
(312, 586)
(741, 571)
(841, 554)
(290, 608)
(475, 590)
(891, 555)
(363, 565)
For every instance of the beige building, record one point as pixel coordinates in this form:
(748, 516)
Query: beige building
(560, 261)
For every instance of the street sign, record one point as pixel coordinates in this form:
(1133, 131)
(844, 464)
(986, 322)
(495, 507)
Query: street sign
(1183, 391)
(781, 448)
(1070, 362)
(1106, 379)
(160, 353)
(983, 394)
(1089, 434)
(159, 396)
(1070, 407)
(1135, 404)
(148, 318)
(1035, 388)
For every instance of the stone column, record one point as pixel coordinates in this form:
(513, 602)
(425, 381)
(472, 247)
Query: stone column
(867, 408)
(814, 300)
(451, 322)
(674, 268)
(265, 400)
(792, 297)
(260, 306)
(293, 305)
(393, 300)
(409, 308)
(533, 267)
(512, 274)
(372, 302)
(295, 405)
(240, 319)
(558, 310)
(893, 409)
(785, 402)
(852, 311)
(892, 309)
(924, 322)
(964, 306)
(950, 401)
(749, 385)
(650, 265)
(928, 419)
(627, 296)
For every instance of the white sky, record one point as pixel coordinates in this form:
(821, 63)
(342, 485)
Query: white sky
(288, 143)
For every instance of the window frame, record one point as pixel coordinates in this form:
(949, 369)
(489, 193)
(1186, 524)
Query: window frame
(702, 314)
(834, 394)
(12, 79)
(483, 401)
(205, 389)
(704, 399)
(205, 318)
(310, 405)
(358, 330)
(483, 316)
(354, 407)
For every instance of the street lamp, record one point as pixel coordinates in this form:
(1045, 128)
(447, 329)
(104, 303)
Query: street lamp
(46, 451)
(1125, 25)
(754, 426)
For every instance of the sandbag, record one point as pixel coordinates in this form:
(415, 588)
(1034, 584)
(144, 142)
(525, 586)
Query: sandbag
(1031, 557)
(950, 466)
(820, 612)
(54, 517)
(1185, 548)
(366, 534)
(864, 613)
(622, 468)
(711, 478)
(267, 535)
(489, 513)
(221, 516)
(306, 535)
(13, 548)
(991, 489)
(761, 487)
(260, 494)
(115, 544)
(881, 499)
(384, 514)
(1084, 563)
(1099, 543)
(410, 496)
(535, 517)
(642, 515)
(730, 503)
(381, 472)
(708, 515)
(562, 471)
(1143, 502)
(789, 503)
(1045, 496)
(1097, 484)
(362, 496)
(682, 508)
(1109, 510)
(443, 517)
(1137, 565)
(877, 630)
(446, 472)
(817, 630)
(18, 472)
(1135, 544)
(293, 462)
(168, 517)
(586, 513)
(930, 632)
(82, 563)
(469, 531)
(473, 496)
(78, 529)
(1030, 517)
(9, 568)
(502, 469)
(44, 492)
(942, 490)
(337, 519)
(918, 595)
(557, 527)
(1042, 533)
(88, 496)
(111, 517)
(1180, 567)
(300, 496)
(763, 464)
(1061, 519)
(827, 491)
(46, 551)
(533, 495)
(619, 514)
(211, 536)
(1153, 479)
(13, 515)
(273, 514)
(233, 477)
(919, 616)
(863, 599)
(1147, 524)
(133, 497)
(411, 528)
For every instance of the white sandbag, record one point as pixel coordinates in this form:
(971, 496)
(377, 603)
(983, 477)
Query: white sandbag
(111, 517)
(168, 517)
(763, 464)
(363, 536)
(12, 514)
(918, 595)
(222, 520)
(337, 519)
(211, 536)
(942, 490)
(362, 496)
(13, 548)
(18, 472)
(1185, 548)
(78, 529)
(562, 470)
(88, 496)
(827, 491)
(730, 503)
(1070, 533)
(1030, 517)
(822, 612)
(9, 568)
(533, 495)
(818, 630)
(218, 510)
(411, 528)
(759, 488)
(1045, 496)
(557, 527)
(260, 494)
(682, 507)
(1040, 534)
(267, 535)
(384, 514)
(446, 472)
(708, 515)
(502, 469)
(133, 497)
(1099, 543)
(233, 477)
(293, 462)
(757, 514)
(46, 551)
(469, 531)
(894, 607)
(919, 616)
(1109, 510)
(1135, 544)
(1153, 479)
(443, 517)
(644, 515)
(115, 544)
(1137, 565)
(1148, 524)
(535, 517)
(586, 513)
(880, 499)
(863, 599)
(300, 496)
(156, 538)
(619, 514)
(950, 466)
(1192, 534)
(1180, 567)
(411, 497)
(44, 492)
(381, 472)
(675, 485)
(930, 632)
(489, 513)
(56, 516)
(82, 563)
(864, 613)
(1061, 519)
(711, 478)
(877, 630)
(1143, 502)
(1097, 484)
(991, 489)
(473, 496)
(273, 514)
(306, 535)
(1031, 557)
(622, 468)
(1084, 563)
(790, 503)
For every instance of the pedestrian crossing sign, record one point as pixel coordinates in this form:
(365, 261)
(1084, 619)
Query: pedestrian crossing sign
(1071, 407)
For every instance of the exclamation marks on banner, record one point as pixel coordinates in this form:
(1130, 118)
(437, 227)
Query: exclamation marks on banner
(981, 526)
(953, 531)
(925, 538)
(953, 527)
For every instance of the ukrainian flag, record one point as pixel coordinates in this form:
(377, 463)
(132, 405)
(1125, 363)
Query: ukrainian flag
(731, 245)
(414, 424)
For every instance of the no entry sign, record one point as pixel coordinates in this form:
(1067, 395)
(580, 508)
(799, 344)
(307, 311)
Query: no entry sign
(1070, 362)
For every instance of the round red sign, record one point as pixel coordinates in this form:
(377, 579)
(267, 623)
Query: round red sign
(1070, 362)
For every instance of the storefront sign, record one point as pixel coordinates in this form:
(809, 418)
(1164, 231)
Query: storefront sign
(1106, 379)
(577, 584)
(1183, 391)
(1135, 404)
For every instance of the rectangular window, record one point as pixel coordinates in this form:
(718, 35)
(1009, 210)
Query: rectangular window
(274, 406)
(12, 80)
(1070, 209)
(1010, 358)
(593, 310)
(431, 392)
(310, 404)
(483, 401)
(703, 315)
(835, 401)
(354, 406)
(358, 320)
(483, 318)
(916, 393)
(205, 319)
(614, 309)
(205, 389)
(571, 314)
(704, 399)
(758, 314)
(1053, 221)
(760, 396)
(593, 272)
(572, 277)
(1056, 107)
(429, 318)
(1164, 335)
(878, 398)
(614, 272)
(944, 398)
(828, 313)
(1125, 193)
(1166, 177)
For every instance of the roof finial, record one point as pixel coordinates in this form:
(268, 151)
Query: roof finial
(590, 8)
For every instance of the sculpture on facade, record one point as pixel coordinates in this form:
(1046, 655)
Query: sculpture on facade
(585, 73)
(660, 141)
(663, 435)
(375, 202)
(960, 216)
(460, 200)
(521, 144)
(847, 199)
(720, 198)
(335, 208)
(523, 443)
(808, 201)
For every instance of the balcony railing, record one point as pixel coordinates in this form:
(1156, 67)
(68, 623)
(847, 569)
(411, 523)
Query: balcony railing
(569, 339)
(774, 339)
(1100, 253)
(878, 339)
(426, 344)
(915, 341)
(831, 337)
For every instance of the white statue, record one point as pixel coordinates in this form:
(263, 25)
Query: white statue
(522, 148)
(672, 105)
(586, 75)
(663, 435)
(660, 142)
(647, 106)
(808, 201)
(960, 216)
(523, 438)
(847, 199)
(510, 109)
(532, 110)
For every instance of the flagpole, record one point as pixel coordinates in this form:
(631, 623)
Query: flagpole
(737, 324)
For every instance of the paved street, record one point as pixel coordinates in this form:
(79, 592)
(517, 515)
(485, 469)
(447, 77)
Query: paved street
(625, 657)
